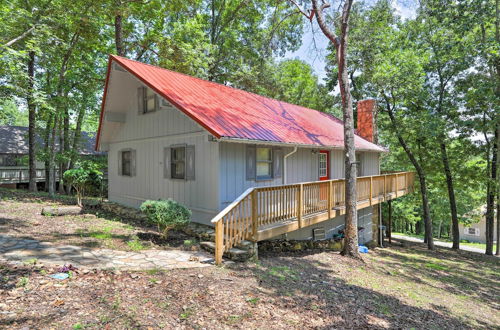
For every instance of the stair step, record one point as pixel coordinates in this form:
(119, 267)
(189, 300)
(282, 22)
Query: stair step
(234, 253)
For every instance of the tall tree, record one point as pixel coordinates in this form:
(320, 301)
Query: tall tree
(340, 43)
(30, 100)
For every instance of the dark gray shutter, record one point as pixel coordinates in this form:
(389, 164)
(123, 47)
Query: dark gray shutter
(141, 94)
(157, 102)
(120, 162)
(133, 162)
(277, 163)
(190, 163)
(166, 163)
(250, 162)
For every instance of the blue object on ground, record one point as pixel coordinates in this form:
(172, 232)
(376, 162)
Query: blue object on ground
(362, 249)
(60, 276)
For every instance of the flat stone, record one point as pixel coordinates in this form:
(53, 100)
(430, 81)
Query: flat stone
(15, 250)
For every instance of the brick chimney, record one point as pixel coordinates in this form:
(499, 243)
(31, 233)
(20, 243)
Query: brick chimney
(367, 117)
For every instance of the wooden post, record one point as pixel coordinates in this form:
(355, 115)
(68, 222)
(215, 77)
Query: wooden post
(254, 213)
(389, 223)
(330, 199)
(219, 244)
(300, 196)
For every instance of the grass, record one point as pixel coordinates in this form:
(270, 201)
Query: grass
(135, 245)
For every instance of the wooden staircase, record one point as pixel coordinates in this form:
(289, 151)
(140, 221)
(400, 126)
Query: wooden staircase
(261, 213)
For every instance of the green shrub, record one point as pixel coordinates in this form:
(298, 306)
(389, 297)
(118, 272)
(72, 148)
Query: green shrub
(82, 179)
(166, 214)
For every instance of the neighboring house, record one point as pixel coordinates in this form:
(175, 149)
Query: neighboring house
(14, 155)
(476, 232)
(203, 144)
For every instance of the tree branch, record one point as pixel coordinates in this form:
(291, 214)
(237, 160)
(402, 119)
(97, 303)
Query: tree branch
(22, 36)
(309, 14)
(320, 18)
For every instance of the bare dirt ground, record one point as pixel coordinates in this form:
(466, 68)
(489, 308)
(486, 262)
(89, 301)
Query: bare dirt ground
(398, 287)
(20, 216)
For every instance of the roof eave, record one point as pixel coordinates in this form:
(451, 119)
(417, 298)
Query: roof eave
(291, 144)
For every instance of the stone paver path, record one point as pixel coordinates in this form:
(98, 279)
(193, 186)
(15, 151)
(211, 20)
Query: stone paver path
(15, 249)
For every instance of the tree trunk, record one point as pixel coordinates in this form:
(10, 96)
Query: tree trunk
(76, 139)
(451, 196)
(52, 157)
(46, 149)
(32, 122)
(119, 35)
(421, 177)
(389, 223)
(351, 200)
(340, 43)
(498, 190)
(61, 151)
(490, 199)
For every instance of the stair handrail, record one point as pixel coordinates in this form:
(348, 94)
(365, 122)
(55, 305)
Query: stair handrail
(231, 206)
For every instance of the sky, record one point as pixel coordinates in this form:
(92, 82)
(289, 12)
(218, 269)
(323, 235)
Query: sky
(314, 43)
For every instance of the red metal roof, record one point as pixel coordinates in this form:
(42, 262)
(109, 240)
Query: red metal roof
(228, 112)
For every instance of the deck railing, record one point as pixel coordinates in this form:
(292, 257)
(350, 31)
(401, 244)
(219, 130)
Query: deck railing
(20, 175)
(264, 212)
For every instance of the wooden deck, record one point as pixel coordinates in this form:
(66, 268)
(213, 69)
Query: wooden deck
(265, 212)
(10, 175)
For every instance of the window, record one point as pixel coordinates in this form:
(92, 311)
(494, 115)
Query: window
(148, 100)
(179, 162)
(178, 159)
(127, 163)
(472, 231)
(264, 163)
(323, 165)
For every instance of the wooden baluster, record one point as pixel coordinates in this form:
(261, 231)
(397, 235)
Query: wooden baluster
(254, 215)
(397, 185)
(385, 193)
(406, 183)
(300, 195)
(371, 189)
(330, 206)
(219, 236)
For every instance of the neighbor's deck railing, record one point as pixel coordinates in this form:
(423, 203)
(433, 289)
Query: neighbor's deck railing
(20, 175)
(264, 209)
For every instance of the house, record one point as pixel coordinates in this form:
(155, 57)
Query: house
(246, 164)
(476, 232)
(14, 155)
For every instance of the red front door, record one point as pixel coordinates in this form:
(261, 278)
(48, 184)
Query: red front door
(324, 165)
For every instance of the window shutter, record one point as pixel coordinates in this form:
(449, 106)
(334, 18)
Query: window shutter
(277, 163)
(133, 162)
(141, 92)
(120, 162)
(190, 163)
(166, 163)
(157, 102)
(250, 162)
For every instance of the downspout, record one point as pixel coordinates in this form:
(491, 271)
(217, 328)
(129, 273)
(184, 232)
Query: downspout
(284, 163)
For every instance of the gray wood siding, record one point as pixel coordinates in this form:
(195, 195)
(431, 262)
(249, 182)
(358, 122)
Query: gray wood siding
(369, 163)
(122, 98)
(200, 195)
(302, 166)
